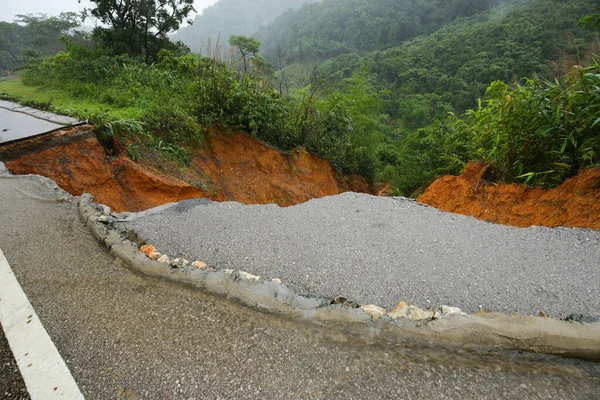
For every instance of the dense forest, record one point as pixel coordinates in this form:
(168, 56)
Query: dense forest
(342, 26)
(394, 90)
(231, 17)
(426, 59)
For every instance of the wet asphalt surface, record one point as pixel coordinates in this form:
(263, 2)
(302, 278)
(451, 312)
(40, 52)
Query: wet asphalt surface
(12, 386)
(126, 336)
(380, 250)
(18, 122)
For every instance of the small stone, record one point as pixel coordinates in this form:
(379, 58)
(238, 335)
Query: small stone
(200, 264)
(103, 219)
(179, 263)
(543, 314)
(249, 276)
(155, 255)
(374, 311)
(409, 311)
(164, 259)
(582, 318)
(147, 249)
(447, 310)
(339, 300)
(276, 280)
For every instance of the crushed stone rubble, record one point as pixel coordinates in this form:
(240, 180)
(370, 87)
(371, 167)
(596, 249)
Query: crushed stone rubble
(373, 249)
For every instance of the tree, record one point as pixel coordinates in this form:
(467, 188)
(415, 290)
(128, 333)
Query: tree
(10, 45)
(139, 27)
(34, 34)
(245, 46)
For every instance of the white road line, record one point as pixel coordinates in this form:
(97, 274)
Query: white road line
(44, 371)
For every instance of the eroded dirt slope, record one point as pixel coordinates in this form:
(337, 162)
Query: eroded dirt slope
(575, 203)
(227, 167)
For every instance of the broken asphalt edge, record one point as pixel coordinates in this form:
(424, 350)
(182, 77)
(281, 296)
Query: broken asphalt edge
(509, 332)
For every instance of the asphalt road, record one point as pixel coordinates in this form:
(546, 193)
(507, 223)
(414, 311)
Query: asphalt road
(126, 336)
(12, 386)
(18, 122)
(380, 250)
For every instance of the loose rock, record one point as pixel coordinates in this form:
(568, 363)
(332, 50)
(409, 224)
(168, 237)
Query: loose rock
(164, 259)
(200, 264)
(447, 310)
(180, 263)
(374, 311)
(147, 249)
(409, 311)
(155, 255)
(249, 276)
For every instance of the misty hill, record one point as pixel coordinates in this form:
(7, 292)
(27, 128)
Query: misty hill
(233, 17)
(339, 26)
(424, 59)
(434, 56)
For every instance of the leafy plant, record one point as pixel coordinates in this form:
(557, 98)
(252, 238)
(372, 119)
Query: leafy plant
(537, 132)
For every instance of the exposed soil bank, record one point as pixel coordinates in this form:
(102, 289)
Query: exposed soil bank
(228, 167)
(245, 170)
(575, 203)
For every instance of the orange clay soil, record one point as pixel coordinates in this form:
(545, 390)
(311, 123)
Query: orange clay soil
(227, 167)
(574, 203)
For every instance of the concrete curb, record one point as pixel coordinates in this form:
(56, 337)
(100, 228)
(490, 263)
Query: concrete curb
(450, 325)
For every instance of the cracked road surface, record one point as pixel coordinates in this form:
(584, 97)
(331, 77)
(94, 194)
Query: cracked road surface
(127, 336)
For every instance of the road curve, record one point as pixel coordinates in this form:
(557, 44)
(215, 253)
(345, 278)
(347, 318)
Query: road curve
(127, 336)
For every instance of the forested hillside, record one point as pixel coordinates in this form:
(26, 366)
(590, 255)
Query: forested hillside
(425, 59)
(232, 17)
(340, 26)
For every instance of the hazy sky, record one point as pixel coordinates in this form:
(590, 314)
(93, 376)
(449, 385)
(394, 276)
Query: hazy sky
(10, 8)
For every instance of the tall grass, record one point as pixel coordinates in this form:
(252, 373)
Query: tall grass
(537, 132)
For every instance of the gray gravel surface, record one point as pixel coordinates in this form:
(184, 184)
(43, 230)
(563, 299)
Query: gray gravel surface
(125, 336)
(381, 250)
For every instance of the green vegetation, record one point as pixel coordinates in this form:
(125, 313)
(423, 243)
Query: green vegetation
(172, 104)
(539, 132)
(391, 91)
(427, 59)
(334, 27)
(245, 46)
(63, 102)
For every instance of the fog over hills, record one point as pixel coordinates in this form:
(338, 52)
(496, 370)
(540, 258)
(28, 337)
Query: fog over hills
(232, 17)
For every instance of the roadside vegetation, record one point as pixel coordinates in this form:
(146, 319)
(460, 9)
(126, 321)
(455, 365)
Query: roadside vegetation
(394, 99)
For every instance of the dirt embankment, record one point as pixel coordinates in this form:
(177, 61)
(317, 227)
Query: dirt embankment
(575, 203)
(227, 167)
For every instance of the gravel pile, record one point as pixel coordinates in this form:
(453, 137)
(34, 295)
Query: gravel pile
(382, 250)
